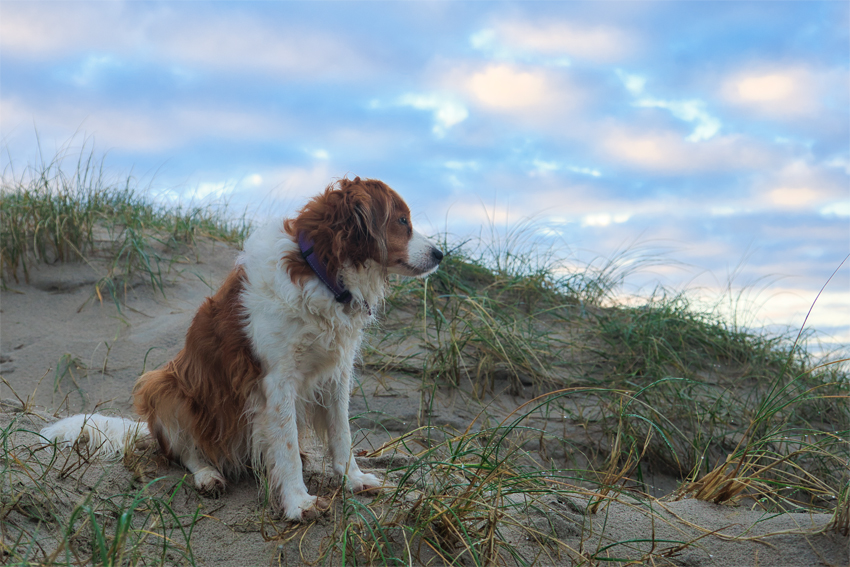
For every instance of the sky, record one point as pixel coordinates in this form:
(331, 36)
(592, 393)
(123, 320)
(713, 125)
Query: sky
(711, 136)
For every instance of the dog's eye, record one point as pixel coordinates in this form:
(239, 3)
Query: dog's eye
(403, 220)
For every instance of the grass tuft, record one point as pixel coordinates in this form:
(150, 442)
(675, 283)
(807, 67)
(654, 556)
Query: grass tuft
(48, 214)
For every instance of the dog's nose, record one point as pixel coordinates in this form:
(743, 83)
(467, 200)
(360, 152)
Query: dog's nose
(437, 254)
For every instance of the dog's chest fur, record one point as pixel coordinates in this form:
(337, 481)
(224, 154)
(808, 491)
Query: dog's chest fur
(302, 330)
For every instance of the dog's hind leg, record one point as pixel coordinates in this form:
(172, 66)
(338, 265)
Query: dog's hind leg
(159, 402)
(207, 478)
(179, 446)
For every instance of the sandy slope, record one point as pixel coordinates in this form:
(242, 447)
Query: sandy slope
(42, 322)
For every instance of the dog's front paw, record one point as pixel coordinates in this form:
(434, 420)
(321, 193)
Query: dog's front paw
(209, 482)
(305, 509)
(363, 483)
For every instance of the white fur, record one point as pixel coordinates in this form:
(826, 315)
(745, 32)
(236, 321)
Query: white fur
(420, 255)
(108, 437)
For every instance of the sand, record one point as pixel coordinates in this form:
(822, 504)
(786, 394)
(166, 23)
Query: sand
(63, 351)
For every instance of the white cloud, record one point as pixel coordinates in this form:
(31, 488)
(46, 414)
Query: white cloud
(503, 87)
(789, 306)
(319, 154)
(840, 162)
(723, 210)
(689, 111)
(238, 42)
(604, 219)
(665, 152)
(184, 35)
(484, 39)
(802, 187)
(293, 184)
(557, 39)
(839, 209)
(531, 96)
(461, 165)
(92, 66)
(785, 92)
(551, 201)
(137, 129)
(633, 83)
(585, 171)
(794, 198)
(543, 167)
(447, 111)
(33, 30)
(797, 186)
(215, 190)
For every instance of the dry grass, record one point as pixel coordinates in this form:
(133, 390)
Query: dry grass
(48, 214)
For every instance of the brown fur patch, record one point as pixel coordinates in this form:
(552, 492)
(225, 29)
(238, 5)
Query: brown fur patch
(205, 388)
(353, 220)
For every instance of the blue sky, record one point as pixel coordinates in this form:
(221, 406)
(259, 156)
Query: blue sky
(716, 133)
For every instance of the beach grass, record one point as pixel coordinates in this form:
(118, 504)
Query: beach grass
(45, 521)
(69, 209)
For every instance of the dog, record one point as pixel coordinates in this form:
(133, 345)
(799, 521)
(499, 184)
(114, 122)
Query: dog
(272, 352)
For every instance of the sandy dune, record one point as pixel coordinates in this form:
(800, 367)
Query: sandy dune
(64, 351)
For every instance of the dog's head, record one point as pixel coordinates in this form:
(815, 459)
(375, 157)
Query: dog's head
(358, 220)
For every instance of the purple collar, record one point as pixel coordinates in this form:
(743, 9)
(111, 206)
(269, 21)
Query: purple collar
(306, 245)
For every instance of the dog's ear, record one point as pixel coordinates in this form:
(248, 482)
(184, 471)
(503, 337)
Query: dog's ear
(347, 224)
(361, 212)
(361, 232)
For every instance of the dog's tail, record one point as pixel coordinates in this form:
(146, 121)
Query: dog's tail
(105, 437)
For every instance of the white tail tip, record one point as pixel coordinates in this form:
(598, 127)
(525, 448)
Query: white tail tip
(106, 437)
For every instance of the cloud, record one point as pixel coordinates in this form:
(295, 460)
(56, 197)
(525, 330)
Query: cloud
(318, 154)
(188, 36)
(786, 92)
(458, 165)
(36, 30)
(542, 167)
(840, 161)
(291, 185)
(205, 190)
(604, 219)
(550, 200)
(137, 129)
(689, 111)
(560, 39)
(797, 187)
(503, 87)
(633, 83)
(839, 209)
(532, 96)
(794, 198)
(584, 170)
(92, 67)
(236, 42)
(801, 186)
(665, 152)
(447, 111)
